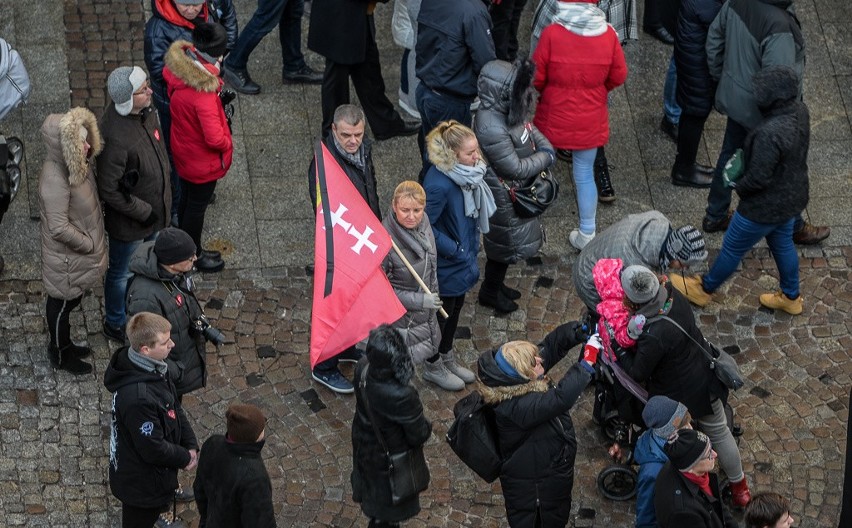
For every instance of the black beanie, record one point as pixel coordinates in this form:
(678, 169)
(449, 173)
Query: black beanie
(686, 448)
(173, 246)
(210, 38)
(245, 423)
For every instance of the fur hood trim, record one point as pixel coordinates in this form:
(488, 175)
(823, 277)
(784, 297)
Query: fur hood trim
(495, 395)
(388, 355)
(61, 134)
(508, 89)
(187, 70)
(440, 154)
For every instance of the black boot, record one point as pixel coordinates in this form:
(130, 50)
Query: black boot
(510, 293)
(79, 352)
(606, 193)
(691, 176)
(64, 360)
(207, 263)
(497, 300)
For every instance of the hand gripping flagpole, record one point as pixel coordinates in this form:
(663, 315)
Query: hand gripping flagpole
(416, 277)
(326, 215)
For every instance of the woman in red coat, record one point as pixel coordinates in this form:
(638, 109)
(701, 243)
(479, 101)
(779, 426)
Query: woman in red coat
(578, 62)
(201, 138)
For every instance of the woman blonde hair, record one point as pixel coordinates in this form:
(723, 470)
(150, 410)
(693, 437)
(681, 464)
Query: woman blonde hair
(521, 355)
(409, 189)
(445, 140)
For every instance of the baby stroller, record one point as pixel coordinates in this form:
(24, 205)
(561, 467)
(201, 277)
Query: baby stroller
(619, 401)
(14, 90)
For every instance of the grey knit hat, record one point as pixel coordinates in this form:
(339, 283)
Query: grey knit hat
(639, 283)
(661, 413)
(684, 244)
(121, 84)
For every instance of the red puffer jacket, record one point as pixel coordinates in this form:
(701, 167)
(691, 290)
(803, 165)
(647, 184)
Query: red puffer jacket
(574, 74)
(200, 137)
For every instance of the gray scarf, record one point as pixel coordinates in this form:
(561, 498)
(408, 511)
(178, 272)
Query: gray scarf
(147, 364)
(478, 200)
(581, 19)
(356, 159)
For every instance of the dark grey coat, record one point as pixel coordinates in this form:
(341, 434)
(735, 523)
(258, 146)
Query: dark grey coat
(419, 327)
(774, 186)
(515, 150)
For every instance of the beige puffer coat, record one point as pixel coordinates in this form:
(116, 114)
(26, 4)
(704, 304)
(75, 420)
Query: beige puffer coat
(73, 248)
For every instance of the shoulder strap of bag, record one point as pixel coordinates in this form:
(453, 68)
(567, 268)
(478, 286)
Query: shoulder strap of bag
(672, 321)
(362, 385)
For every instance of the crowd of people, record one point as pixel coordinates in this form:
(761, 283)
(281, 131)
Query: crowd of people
(123, 201)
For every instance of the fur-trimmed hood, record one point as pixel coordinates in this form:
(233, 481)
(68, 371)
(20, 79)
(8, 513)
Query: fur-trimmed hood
(440, 154)
(496, 386)
(508, 89)
(61, 134)
(197, 74)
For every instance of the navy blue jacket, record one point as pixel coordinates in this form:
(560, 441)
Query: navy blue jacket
(166, 26)
(456, 235)
(651, 459)
(696, 88)
(453, 44)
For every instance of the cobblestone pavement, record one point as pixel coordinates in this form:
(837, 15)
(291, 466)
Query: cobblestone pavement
(54, 428)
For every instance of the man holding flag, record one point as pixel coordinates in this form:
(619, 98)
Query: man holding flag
(352, 295)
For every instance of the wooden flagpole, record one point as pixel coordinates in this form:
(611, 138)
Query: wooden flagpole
(416, 277)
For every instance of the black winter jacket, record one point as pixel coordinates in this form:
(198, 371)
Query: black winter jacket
(774, 186)
(695, 86)
(453, 44)
(680, 503)
(673, 365)
(150, 438)
(339, 30)
(396, 405)
(536, 434)
(166, 26)
(232, 488)
(133, 143)
(152, 289)
(516, 151)
(363, 179)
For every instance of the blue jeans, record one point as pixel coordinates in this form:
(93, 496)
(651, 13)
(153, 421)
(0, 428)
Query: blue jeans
(670, 107)
(587, 191)
(287, 15)
(434, 108)
(719, 199)
(115, 280)
(741, 236)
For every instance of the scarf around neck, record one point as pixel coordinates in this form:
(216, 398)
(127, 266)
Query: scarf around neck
(583, 19)
(146, 363)
(356, 159)
(478, 199)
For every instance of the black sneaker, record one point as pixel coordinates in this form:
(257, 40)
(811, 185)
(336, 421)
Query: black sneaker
(710, 225)
(113, 333)
(240, 81)
(565, 155)
(407, 129)
(184, 494)
(606, 193)
(305, 75)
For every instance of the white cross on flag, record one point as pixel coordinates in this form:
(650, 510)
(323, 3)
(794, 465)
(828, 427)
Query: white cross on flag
(352, 294)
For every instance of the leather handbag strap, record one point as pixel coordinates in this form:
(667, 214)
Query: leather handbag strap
(362, 385)
(672, 321)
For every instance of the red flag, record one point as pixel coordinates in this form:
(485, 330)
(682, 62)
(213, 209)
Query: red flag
(352, 294)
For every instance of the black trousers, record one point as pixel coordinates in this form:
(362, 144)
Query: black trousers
(690, 128)
(651, 16)
(495, 274)
(369, 85)
(194, 199)
(505, 18)
(58, 311)
(453, 307)
(133, 517)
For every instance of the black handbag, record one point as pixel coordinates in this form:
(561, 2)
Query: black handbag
(407, 471)
(473, 437)
(534, 196)
(721, 363)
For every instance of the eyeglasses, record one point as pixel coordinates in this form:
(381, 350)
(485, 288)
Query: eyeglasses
(144, 89)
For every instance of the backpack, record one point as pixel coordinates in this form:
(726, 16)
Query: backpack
(473, 436)
(14, 81)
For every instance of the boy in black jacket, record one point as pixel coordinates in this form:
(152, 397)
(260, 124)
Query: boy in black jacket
(151, 437)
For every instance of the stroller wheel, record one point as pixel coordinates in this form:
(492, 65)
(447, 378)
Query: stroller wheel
(614, 427)
(16, 150)
(14, 173)
(617, 483)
